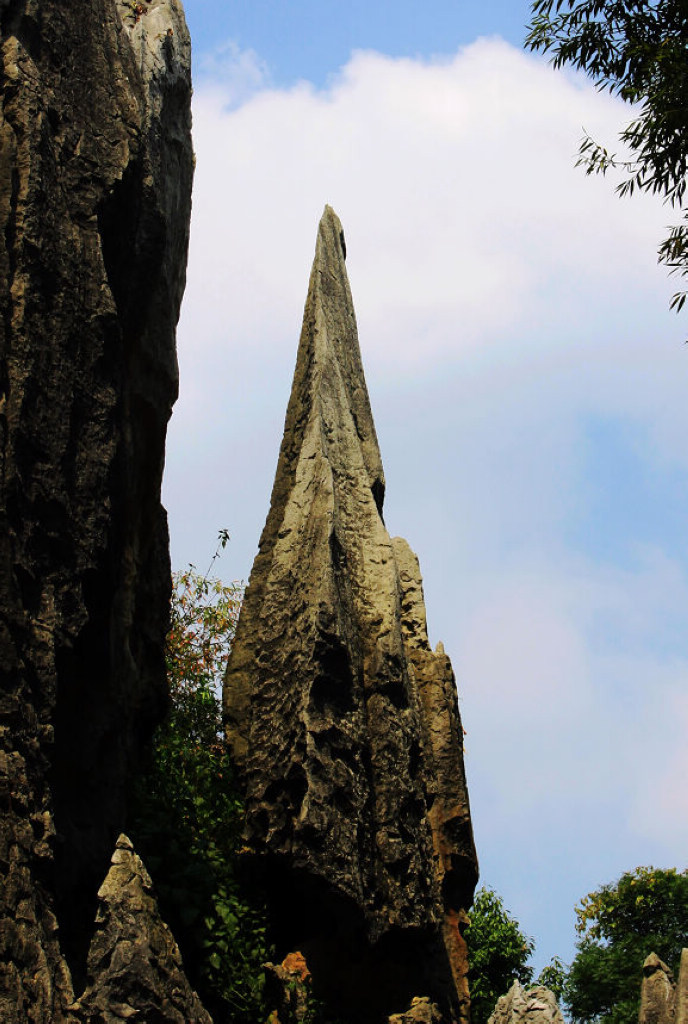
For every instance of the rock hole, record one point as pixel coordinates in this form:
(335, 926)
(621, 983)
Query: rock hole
(414, 759)
(393, 683)
(337, 553)
(378, 490)
(331, 692)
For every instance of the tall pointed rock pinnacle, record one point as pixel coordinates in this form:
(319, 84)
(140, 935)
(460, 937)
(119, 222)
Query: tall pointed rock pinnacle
(343, 722)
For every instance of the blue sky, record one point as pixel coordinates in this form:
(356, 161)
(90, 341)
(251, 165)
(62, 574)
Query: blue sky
(528, 385)
(313, 40)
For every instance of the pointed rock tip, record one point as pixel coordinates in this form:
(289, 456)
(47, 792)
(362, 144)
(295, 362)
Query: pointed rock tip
(330, 215)
(331, 225)
(653, 963)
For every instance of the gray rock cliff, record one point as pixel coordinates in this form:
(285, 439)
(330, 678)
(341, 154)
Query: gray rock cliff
(343, 722)
(95, 177)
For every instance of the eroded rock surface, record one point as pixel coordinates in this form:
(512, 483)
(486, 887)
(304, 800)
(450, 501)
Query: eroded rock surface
(344, 722)
(134, 965)
(537, 1005)
(95, 176)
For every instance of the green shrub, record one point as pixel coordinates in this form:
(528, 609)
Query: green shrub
(498, 952)
(554, 977)
(187, 814)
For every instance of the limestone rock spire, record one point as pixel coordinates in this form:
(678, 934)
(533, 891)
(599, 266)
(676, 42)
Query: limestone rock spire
(344, 723)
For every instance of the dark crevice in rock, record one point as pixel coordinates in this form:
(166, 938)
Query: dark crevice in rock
(459, 882)
(132, 237)
(84, 737)
(331, 690)
(378, 490)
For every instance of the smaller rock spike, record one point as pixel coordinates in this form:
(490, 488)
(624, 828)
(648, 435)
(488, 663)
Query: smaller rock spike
(343, 722)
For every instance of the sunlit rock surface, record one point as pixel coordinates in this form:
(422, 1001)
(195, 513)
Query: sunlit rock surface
(537, 1005)
(343, 721)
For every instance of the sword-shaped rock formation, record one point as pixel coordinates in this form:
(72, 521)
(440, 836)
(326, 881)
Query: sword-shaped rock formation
(343, 722)
(95, 181)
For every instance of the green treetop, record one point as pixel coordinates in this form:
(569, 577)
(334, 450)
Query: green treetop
(646, 911)
(636, 49)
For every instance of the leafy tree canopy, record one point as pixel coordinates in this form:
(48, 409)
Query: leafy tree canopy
(498, 952)
(646, 911)
(636, 49)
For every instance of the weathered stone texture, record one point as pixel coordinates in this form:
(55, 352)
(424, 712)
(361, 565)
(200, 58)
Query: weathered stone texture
(537, 1005)
(681, 995)
(445, 783)
(343, 721)
(95, 175)
(657, 993)
(134, 967)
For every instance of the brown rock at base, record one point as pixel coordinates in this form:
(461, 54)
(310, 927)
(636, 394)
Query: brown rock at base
(288, 989)
(134, 965)
(343, 722)
(537, 1005)
(95, 178)
(657, 993)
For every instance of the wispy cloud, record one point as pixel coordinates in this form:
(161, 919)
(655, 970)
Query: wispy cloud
(231, 74)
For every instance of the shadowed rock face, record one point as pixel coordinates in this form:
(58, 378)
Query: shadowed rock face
(95, 177)
(343, 721)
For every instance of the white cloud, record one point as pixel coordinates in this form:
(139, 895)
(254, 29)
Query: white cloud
(454, 179)
(231, 74)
